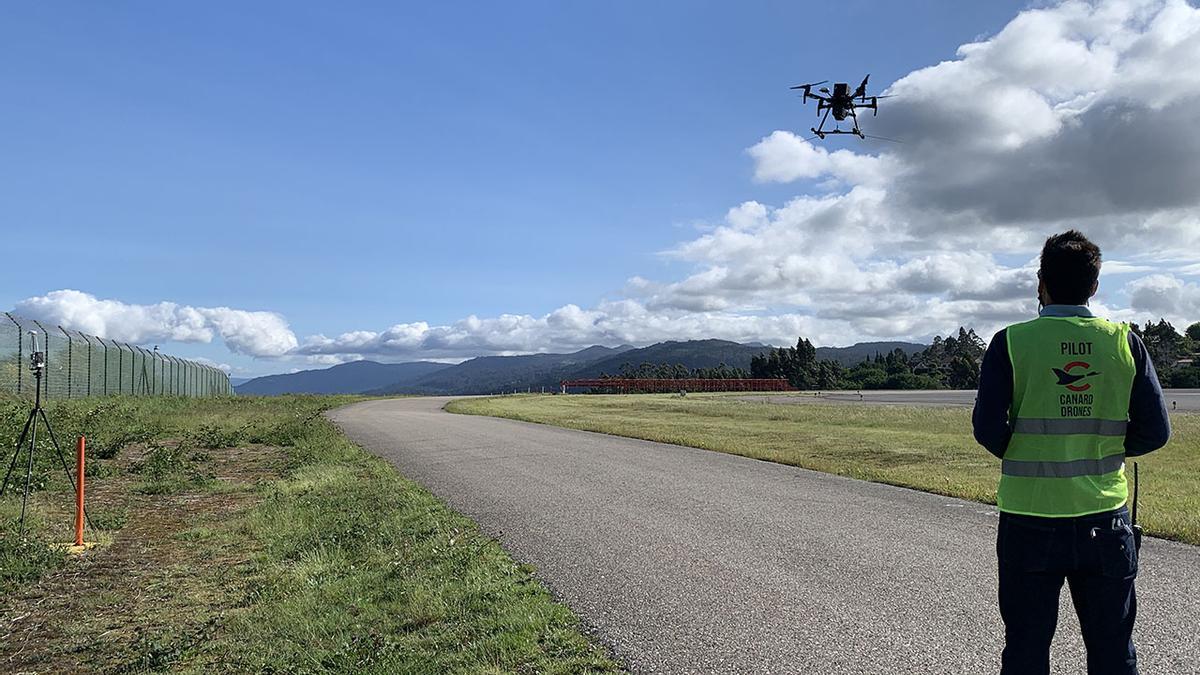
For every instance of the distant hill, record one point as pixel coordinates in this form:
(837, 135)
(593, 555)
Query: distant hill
(691, 353)
(491, 374)
(712, 353)
(854, 354)
(355, 377)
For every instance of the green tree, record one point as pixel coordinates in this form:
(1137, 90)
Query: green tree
(1193, 332)
(1184, 378)
(1164, 344)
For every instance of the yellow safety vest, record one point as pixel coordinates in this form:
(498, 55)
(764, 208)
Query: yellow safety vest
(1072, 378)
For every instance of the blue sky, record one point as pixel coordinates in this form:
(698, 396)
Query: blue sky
(354, 169)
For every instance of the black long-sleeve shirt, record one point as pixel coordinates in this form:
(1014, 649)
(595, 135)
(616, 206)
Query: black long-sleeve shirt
(1149, 425)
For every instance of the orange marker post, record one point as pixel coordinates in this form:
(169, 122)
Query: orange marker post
(80, 451)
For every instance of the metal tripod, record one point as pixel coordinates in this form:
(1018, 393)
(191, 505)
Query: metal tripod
(30, 431)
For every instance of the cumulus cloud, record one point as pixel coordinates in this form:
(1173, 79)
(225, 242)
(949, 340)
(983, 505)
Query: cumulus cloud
(1080, 113)
(783, 157)
(566, 328)
(262, 334)
(1166, 296)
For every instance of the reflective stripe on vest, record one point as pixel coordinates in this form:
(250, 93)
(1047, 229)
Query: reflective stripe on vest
(1071, 469)
(1071, 382)
(1051, 427)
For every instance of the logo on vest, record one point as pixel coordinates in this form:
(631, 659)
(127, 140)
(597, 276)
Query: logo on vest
(1069, 379)
(1076, 404)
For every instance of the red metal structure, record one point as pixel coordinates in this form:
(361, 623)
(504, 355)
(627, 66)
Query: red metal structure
(626, 385)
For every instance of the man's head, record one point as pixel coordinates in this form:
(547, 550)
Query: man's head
(1070, 269)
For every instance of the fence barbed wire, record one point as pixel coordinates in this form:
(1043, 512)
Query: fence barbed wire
(80, 365)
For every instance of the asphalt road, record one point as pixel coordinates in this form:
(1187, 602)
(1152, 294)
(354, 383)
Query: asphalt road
(1178, 400)
(683, 560)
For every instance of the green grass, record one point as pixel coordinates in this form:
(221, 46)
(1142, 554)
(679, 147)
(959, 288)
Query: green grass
(925, 448)
(331, 562)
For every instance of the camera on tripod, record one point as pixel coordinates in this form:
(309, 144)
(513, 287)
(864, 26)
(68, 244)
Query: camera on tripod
(37, 359)
(37, 363)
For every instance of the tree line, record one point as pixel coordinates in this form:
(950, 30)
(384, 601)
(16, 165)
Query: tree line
(1176, 356)
(951, 362)
(678, 371)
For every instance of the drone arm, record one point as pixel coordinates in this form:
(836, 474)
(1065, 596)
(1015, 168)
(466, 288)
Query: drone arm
(821, 127)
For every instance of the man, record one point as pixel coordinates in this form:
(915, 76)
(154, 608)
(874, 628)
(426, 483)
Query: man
(1063, 399)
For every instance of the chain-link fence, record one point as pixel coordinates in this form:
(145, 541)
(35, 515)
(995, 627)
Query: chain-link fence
(79, 365)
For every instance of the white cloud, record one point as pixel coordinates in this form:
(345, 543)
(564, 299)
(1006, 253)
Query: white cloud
(1165, 296)
(783, 157)
(566, 328)
(263, 334)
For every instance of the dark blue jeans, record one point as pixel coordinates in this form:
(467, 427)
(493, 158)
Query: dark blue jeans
(1096, 556)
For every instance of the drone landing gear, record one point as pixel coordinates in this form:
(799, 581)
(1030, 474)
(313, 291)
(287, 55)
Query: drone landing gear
(822, 133)
(849, 132)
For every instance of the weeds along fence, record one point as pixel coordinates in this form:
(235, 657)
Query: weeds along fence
(80, 365)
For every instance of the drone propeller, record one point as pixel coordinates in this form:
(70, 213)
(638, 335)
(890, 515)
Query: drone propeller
(806, 86)
(881, 138)
(861, 92)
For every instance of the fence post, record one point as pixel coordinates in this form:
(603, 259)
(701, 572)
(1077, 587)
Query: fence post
(105, 345)
(139, 376)
(145, 375)
(70, 354)
(89, 368)
(133, 369)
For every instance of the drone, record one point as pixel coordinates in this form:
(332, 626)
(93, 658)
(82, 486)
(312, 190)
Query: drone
(842, 103)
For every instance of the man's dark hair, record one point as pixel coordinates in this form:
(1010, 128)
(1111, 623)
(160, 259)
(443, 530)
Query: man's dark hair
(1070, 266)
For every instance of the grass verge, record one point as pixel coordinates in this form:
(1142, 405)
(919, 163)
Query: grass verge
(925, 448)
(247, 534)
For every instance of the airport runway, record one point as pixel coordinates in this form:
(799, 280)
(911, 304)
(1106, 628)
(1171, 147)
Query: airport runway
(683, 560)
(1178, 400)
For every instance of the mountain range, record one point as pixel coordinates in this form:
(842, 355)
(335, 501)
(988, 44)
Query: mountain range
(494, 374)
(354, 377)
